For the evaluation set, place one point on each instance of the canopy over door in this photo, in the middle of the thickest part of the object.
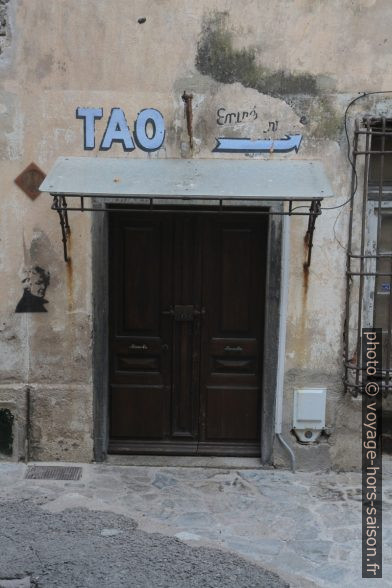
(188, 179)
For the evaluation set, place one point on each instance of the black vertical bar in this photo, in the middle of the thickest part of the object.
(354, 181)
(362, 247)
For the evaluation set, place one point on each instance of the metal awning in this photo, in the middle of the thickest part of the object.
(189, 181)
(188, 178)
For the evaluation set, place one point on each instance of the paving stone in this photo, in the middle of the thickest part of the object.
(346, 534)
(185, 536)
(317, 550)
(194, 519)
(110, 532)
(164, 481)
(307, 532)
(294, 564)
(251, 547)
(333, 574)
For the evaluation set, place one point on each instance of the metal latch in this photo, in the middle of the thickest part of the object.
(184, 312)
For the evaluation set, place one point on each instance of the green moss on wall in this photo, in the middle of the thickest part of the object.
(217, 58)
(326, 122)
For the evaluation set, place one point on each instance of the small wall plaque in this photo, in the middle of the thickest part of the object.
(30, 179)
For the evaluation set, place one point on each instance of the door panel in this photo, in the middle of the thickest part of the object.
(186, 316)
(231, 414)
(138, 411)
(233, 295)
(186, 329)
(140, 340)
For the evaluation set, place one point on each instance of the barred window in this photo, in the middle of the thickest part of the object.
(369, 255)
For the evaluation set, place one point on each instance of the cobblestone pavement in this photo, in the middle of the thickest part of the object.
(306, 527)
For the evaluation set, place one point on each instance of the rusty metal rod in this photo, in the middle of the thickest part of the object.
(372, 133)
(227, 209)
(375, 256)
(369, 152)
(369, 274)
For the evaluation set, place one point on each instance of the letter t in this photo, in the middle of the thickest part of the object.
(89, 115)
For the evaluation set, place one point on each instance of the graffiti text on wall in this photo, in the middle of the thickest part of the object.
(238, 145)
(241, 116)
(148, 132)
(224, 117)
(35, 282)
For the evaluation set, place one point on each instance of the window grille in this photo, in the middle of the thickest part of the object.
(369, 251)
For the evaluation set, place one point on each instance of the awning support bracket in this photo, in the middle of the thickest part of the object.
(314, 212)
(61, 207)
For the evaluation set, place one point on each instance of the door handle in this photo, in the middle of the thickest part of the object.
(135, 347)
(229, 348)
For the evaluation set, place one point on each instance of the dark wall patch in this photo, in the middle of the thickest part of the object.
(4, 24)
(6, 434)
(217, 58)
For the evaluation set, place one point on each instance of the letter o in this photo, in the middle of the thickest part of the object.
(153, 116)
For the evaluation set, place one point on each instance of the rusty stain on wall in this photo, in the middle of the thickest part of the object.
(69, 270)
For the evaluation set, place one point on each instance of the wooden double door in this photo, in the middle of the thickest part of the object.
(186, 332)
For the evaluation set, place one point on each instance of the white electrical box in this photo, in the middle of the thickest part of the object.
(309, 413)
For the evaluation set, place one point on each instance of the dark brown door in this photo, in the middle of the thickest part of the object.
(186, 332)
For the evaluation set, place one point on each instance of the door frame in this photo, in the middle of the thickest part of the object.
(100, 311)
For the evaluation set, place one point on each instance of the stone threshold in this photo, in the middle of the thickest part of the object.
(176, 461)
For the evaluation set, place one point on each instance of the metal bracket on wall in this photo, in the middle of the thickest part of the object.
(314, 211)
(61, 207)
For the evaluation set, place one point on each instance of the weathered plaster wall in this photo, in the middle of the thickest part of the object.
(298, 62)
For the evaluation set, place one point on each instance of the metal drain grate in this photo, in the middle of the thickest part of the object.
(53, 473)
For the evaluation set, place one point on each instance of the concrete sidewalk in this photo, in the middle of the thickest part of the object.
(306, 527)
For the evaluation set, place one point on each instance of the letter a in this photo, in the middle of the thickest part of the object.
(117, 131)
